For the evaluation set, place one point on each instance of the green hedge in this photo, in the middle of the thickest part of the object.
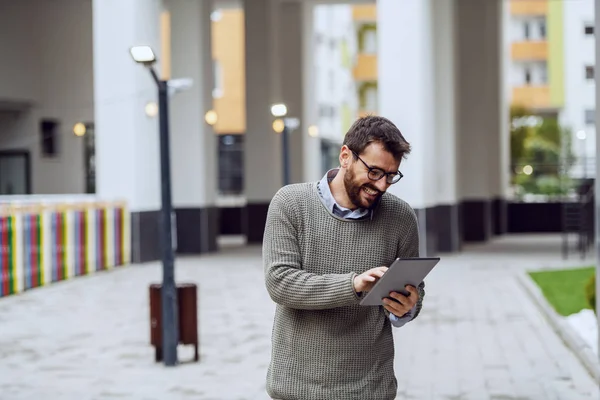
(590, 292)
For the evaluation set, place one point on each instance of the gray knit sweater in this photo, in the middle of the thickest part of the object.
(324, 345)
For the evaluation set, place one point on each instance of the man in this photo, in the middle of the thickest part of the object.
(325, 244)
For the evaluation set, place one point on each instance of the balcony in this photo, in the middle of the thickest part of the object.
(365, 68)
(529, 7)
(530, 50)
(364, 12)
(531, 96)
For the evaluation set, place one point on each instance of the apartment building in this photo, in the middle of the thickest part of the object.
(551, 67)
(365, 67)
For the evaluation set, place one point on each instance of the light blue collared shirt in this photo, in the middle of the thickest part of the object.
(359, 213)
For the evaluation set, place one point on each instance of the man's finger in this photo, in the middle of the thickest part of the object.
(395, 307)
(411, 289)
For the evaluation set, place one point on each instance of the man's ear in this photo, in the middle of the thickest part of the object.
(345, 156)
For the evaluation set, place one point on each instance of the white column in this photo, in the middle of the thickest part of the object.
(597, 182)
(311, 146)
(445, 184)
(127, 152)
(406, 96)
(295, 85)
(262, 147)
(193, 142)
(262, 153)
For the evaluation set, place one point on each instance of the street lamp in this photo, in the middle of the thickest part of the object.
(582, 136)
(170, 335)
(279, 111)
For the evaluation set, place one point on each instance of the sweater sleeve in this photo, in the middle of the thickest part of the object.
(287, 283)
(409, 247)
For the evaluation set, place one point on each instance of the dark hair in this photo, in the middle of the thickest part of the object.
(375, 129)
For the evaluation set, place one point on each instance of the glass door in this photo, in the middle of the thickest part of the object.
(14, 172)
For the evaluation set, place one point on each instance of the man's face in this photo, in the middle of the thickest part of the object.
(362, 191)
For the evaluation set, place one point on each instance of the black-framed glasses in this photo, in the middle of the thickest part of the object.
(376, 174)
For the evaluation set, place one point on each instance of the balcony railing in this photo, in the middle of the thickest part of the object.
(529, 7)
(530, 50)
(366, 67)
(532, 96)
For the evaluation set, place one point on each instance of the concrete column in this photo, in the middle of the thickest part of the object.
(127, 152)
(262, 147)
(276, 71)
(446, 215)
(193, 141)
(479, 42)
(406, 96)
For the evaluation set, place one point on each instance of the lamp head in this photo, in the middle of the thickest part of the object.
(279, 110)
(143, 55)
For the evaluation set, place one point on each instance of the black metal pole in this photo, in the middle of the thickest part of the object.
(170, 323)
(285, 154)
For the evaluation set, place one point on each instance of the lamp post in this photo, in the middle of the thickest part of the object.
(582, 135)
(279, 111)
(170, 335)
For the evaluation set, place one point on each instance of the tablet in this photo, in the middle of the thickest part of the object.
(402, 272)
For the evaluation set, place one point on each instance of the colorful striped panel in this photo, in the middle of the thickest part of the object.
(8, 272)
(32, 243)
(59, 246)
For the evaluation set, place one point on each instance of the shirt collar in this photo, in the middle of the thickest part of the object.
(332, 205)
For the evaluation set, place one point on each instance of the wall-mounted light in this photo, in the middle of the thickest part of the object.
(278, 125)
(313, 131)
(151, 109)
(581, 135)
(79, 129)
(211, 117)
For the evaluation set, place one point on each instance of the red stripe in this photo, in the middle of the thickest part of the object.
(57, 244)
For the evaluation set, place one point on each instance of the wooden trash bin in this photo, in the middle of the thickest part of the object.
(187, 304)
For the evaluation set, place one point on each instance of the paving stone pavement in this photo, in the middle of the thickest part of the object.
(479, 335)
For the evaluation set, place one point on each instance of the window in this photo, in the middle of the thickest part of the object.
(527, 76)
(218, 76)
(588, 29)
(544, 74)
(231, 164)
(542, 27)
(49, 138)
(589, 72)
(590, 117)
(526, 32)
(370, 41)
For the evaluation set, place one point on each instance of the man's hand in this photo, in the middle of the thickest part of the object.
(402, 304)
(365, 281)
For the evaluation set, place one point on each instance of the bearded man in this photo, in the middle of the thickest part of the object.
(326, 243)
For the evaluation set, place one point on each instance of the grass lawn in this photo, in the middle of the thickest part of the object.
(564, 289)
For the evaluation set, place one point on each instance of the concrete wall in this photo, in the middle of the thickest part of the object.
(47, 63)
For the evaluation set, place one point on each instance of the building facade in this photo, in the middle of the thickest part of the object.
(552, 67)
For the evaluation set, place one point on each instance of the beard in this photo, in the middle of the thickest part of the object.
(355, 193)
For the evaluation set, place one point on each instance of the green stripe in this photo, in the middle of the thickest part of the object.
(556, 53)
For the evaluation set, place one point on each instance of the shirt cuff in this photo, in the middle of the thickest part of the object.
(401, 321)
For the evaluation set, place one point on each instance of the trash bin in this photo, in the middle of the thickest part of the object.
(187, 304)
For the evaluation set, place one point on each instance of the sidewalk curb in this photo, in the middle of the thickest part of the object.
(571, 338)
